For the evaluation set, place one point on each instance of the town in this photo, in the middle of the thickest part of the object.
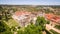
(29, 19)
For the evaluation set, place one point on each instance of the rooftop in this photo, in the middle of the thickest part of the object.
(53, 17)
(18, 13)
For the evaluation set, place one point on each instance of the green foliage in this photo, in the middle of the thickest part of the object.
(48, 22)
(4, 12)
(1, 8)
(35, 28)
(54, 32)
(7, 32)
(47, 32)
(20, 32)
(19, 27)
(48, 11)
(13, 28)
(57, 26)
(3, 26)
(31, 29)
(40, 21)
(58, 13)
(12, 22)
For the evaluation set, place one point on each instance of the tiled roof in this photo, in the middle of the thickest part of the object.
(53, 17)
(18, 13)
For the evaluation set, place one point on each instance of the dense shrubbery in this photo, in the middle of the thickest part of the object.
(4, 29)
(31, 29)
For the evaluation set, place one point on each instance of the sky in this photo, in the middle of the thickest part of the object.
(30, 2)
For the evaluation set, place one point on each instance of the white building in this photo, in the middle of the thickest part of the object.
(22, 17)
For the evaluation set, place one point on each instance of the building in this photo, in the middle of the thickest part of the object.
(23, 17)
(53, 18)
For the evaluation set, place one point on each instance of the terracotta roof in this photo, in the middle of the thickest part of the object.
(17, 13)
(53, 17)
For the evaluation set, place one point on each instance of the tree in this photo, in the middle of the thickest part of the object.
(1, 12)
(3, 27)
(36, 28)
(48, 22)
(31, 29)
(4, 12)
(41, 22)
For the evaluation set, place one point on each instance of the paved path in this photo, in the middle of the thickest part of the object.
(48, 27)
(15, 32)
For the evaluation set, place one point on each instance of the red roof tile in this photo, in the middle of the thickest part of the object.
(52, 17)
(17, 13)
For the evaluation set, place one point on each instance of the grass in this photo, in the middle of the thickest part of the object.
(57, 26)
(7, 32)
(54, 32)
(11, 22)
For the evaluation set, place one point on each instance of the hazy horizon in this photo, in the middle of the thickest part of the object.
(29, 2)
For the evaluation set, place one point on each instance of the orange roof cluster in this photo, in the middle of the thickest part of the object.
(18, 13)
(52, 17)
